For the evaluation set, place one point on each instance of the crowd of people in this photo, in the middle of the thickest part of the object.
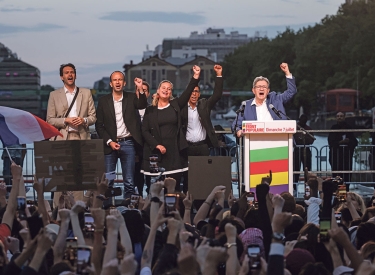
(268, 235)
(331, 232)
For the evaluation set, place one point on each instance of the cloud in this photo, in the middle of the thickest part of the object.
(156, 16)
(14, 9)
(9, 29)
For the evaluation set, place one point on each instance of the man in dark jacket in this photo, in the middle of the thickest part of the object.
(341, 148)
(119, 125)
(196, 121)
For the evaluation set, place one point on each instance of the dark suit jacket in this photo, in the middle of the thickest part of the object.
(204, 108)
(106, 119)
(150, 127)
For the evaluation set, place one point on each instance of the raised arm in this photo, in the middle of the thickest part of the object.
(290, 82)
(97, 249)
(10, 211)
(38, 186)
(206, 206)
(59, 247)
(112, 233)
(126, 242)
(76, 209)
(218, 89)
(184, 98)
(148, 251)
(140, 101)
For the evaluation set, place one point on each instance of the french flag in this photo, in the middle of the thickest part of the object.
(21, 127)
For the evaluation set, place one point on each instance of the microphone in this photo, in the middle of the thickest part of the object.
(277, 112)
(242, 108)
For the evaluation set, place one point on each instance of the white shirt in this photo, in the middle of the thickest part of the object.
(73, 111)
(262, 111)
(195, 131)
(122, 131)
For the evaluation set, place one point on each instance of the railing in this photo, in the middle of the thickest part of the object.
(361, 172)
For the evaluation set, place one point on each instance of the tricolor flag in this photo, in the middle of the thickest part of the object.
(21, 127)
(276, 158)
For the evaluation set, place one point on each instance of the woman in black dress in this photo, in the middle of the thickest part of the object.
(161, 129)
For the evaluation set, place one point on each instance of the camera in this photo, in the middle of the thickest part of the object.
(250, 197)
(253, 251)
(154, 167)
(21, 207)
(170, 204)
(83, 258)
(70, 253)
(134, 201)
(89, 223)
(325, 225)
(341, 193)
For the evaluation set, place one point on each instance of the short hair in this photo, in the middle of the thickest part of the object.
(199, 88)
(62, 66)
(147, 85)
(110, 77)
(260, 78)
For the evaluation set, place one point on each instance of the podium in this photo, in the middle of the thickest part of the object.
(269, 146)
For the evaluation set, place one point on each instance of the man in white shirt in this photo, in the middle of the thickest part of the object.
(258, 108)
(75, 125)
(119, 125)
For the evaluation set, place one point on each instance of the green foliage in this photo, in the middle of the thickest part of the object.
(336, 53)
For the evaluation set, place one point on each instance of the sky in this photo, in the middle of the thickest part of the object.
(99, 37)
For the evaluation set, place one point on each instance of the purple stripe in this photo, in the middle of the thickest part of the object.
(277, 189)
(6, 136)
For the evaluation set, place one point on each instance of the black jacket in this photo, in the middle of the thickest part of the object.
(106, 119)
(204, 108)
(150, 127)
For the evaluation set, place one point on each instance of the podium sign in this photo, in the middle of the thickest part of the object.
(268, 146)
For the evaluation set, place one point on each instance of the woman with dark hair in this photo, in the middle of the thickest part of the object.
(162, 131)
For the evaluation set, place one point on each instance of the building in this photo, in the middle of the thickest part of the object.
(215, 41)
(102, 84)
(352, 1)
(16, 75)
(176, 70)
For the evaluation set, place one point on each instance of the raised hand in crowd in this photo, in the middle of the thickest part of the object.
(128, 265)
(113, 226)
(188, 204)
(76, 209)
(209, 257)
(218, 70)
(170, 184)
(124, 233)
(3, 193)
(232, 264)
(340, 237)
(285, 68)
(278, 204)
(45, 241)
(205, 207)
(231, 199)
(187, 263)
(59, 247)
(196, 71)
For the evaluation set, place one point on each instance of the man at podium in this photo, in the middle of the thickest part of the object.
(265, 106)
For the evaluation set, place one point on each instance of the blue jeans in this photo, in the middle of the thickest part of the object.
(126, 154)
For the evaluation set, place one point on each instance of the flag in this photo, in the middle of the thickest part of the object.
(21, 127)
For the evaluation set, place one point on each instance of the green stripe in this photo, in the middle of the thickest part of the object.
(269, 154)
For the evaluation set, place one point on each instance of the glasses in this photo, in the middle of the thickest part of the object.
(261, 87)
(339, 116)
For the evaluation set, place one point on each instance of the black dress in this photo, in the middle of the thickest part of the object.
(163, 127)
(171, 161)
